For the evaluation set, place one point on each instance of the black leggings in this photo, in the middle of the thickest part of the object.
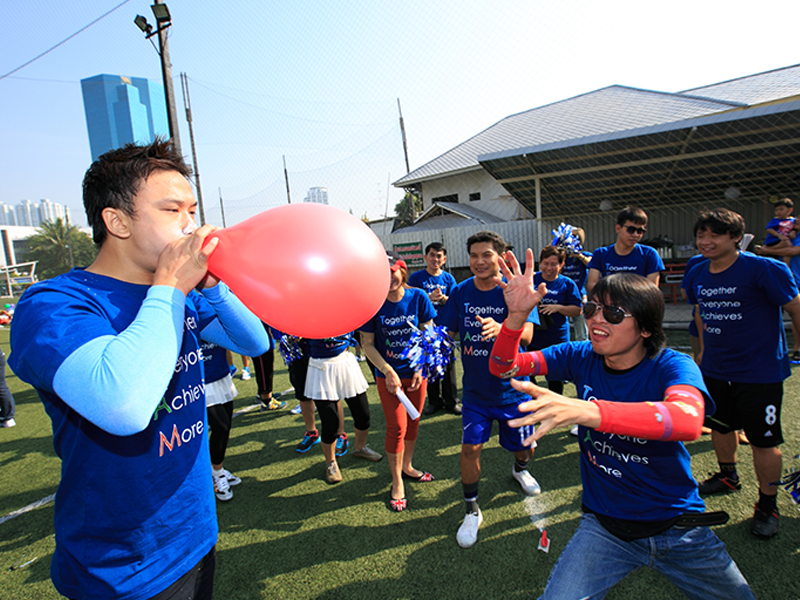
(298, 369)
(264, 367)
(329, 416)
(219, 422)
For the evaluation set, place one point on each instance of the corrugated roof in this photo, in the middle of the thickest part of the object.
(754, 89)
(442, 215)
(754, 151)
(605, 110)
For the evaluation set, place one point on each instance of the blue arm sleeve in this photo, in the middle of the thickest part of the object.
(116, 381)
(235, 327)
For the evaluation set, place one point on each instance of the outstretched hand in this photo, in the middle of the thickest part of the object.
(520, 295)
(550, 410)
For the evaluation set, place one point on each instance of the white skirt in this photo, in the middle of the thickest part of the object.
(220, 391)
(335, 378)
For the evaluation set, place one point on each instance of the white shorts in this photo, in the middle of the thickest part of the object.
(335, 378)
(220, 391)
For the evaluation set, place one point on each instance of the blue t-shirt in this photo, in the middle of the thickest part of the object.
(794, 263)
(465, 303)
(743, 335)
(624, 477)
(427, 282)
(783, 226)
(577, 271)
(215, 362)
(562, 291)
(642, 260)
(694, 260)
(330, 347)
(395, 323)
(120, 531)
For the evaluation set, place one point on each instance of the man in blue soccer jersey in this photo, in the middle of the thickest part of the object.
(438, 284)
(626, 255)
(476, 310)
(744, 359)
(114, 352)
(793, 254)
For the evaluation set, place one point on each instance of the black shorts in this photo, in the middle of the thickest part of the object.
(754, 407)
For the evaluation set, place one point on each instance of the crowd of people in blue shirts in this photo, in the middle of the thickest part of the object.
(128, 357)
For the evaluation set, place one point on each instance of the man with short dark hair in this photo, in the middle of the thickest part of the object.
(114, 351)
(476, 310)
(626, 255)
(639, 402)
(743, 354)
(438, 284)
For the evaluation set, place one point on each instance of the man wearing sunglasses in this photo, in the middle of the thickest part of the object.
(639, 402)
(626, 255)
(744, 358)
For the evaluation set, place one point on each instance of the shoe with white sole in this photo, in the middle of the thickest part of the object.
(468, 532)
(232, 479)
(527, 482)
(222, 488)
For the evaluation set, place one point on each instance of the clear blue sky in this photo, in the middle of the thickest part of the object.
(318, 81)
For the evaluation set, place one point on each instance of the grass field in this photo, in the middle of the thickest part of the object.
(289, 535)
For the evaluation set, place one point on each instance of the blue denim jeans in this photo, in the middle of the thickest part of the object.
(694, 559)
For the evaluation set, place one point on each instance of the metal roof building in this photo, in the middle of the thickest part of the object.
(735, 143)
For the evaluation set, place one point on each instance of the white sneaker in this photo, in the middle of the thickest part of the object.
(527, 481)
(232, 479)
(574, 430)
(222, 488)
(468, 532)
(245, 374)
(8, 423)
(297, 409)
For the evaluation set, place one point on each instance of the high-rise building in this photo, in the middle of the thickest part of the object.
(50, 211)
(27, 214)
(318, 195)
(7, 215)
(121, 110)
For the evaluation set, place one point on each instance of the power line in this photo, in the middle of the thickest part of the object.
(35, 58)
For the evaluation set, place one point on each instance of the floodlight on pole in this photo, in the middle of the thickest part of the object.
(164, 21)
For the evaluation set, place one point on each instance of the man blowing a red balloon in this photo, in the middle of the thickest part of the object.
(114, 352)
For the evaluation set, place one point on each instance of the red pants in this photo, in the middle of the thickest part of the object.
(399, 427)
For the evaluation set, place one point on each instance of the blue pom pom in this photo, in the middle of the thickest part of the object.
(791, 483)
(563, 237)
(289, 347)
(430, 350)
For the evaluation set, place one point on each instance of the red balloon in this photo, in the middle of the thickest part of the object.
(309, 270)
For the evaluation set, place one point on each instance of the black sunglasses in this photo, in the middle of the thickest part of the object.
(640, 230)
(613, 314)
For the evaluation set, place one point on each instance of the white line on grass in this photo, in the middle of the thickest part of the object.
(51, 497)
(28, 508)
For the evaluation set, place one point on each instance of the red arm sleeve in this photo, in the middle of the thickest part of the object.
(505, 361)
(678, 418)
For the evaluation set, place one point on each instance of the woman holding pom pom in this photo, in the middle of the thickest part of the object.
(384, 337)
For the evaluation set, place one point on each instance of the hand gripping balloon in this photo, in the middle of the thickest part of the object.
(309, 270)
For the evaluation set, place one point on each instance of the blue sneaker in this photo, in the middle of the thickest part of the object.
(342, 445)
(309, 439)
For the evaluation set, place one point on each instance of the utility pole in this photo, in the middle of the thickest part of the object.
(286, 175)
(221, 207)
(187, 105)
(403, 132)
(169, 92)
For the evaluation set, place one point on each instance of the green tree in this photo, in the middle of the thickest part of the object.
(50, 245)
(406, 210)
